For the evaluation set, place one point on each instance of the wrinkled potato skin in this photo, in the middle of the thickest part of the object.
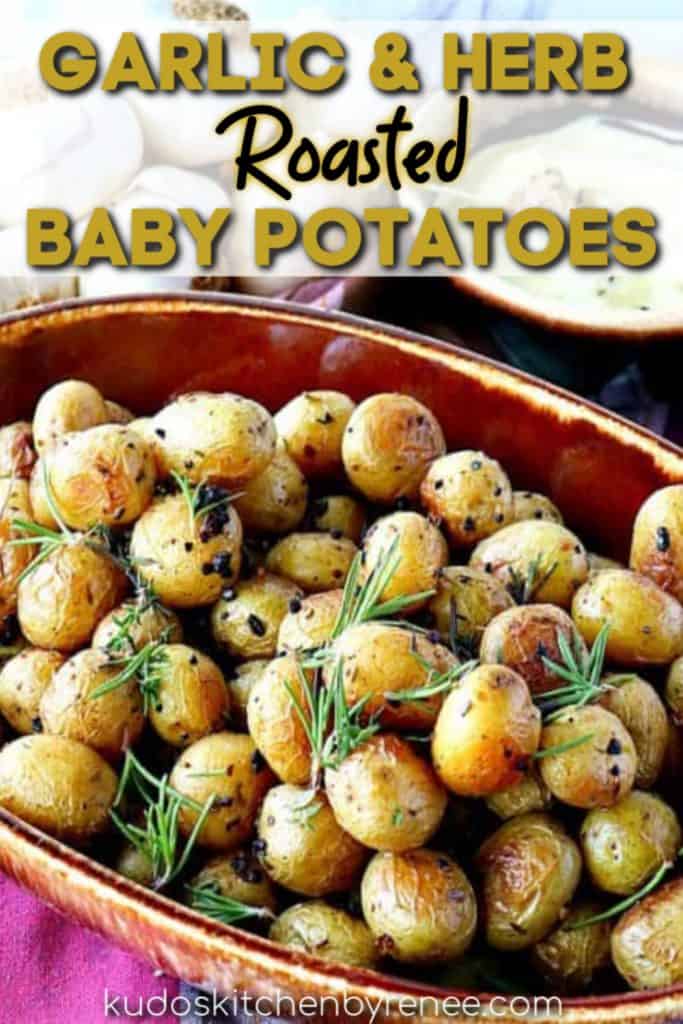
(274, 722)
(193, 699)
(522, 636)
(23, 680)
(328, 932)
(529, 505)
(646, 623)
(62, 601)
(41, 511)
(517, 546)
(423, 553)
(589, 775)
(657, 546)
(639, 707)
(154, 623)
(569, 959)
(66, 408)
(674, 690)
(160, 541)
(339, 513)
(471, 493)
(307, 853)
(312, 624)
(388, 446)
(108, 724)
(58, 785)
(247, 624)
(275, 500)
(118, 413)
(14, 503)
(224, 439)
(625, 844)
(240, 685)
(486, 732)
(530, 870)
(419, 906)
(527, 795)
(312, 426)
(239, 876)
(314, 561)
(476, 599)
(647, 942)
(238, 793)
(17, 454)
(385, 796)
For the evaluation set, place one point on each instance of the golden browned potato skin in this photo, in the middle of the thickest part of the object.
(657, 545)
(530, 870)
(118, 413)
(185, 570)
(596, 773)
(23, 680)
(388, 446)
(314, 561)
(302, 846)
(470, 492)
(563, 565)
(317, 928)
(523, 636)
(310, 622)
(14, 504)
(58, 785)
(486, 732)
(646, 623)
(274, 723)
(647, 942)
(419, 905)
(154, 623)
(65, 408)
(570, 958)
(64, 598)
(625, 844)
(246, 622)
(240, 684)
(225, 439)
(386, 796)
(341, 514)
(192, 699)
(674, 690)
(41, 511)
(529, 794)
(239, 876)
(275, 500)
(471, 598)
(312, 426)
(639, 707)
(529, 505)
(238, 792)
(110, 723)
(422, 549)
(17, 454)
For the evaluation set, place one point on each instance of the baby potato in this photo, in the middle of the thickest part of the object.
(17, 454)
(470, 492)
(225, 439)
(109, 723)
(133, 863)
(238, 790)
(378, 661)
(389, 444)
(23, 680)
(466, 600)
(596, 772)
(530, 870)
(674, 690)
(63, 599)
(192, 699)
(246, 620)
(118, 413)
(104, 475)
(240, 684)
(419, 905)
(528, 505)
(657, 546)
(339, 514)
(14, 504)
(420, 550)
(274, 722)
(569, 958)
(144, 427)
(58, 785)
(486, 732)
(639, 707)
(645, 623)
(309, 623)
(523, 636)
(138, 622)
(40, 507)
(69, 406)
(312, 426)
(186, 563)
(538, 561)
(385, 796)
(314, 561)
(302, 846)
(275, 500)
(624, 845)
(529, 794)
(321, 930)
(598, 563)
(238, 876)
(647, 942)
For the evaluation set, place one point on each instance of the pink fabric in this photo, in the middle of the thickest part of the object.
(53, 972)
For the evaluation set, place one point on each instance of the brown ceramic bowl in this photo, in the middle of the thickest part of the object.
(139, 351)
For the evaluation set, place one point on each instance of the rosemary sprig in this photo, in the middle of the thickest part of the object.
(207, 899)
(623, 905)
(146, 666)
(195, 498)
(562, 748)
(145, 599)
(581, 674)
(461, 645)
(141, 779)
(523, 586)
(437, 682)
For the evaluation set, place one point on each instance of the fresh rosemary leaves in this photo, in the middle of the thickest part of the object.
(208, 900)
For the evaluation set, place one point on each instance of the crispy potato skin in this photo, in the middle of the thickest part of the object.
(67, 407)
(486, 732)
(568, 958)
(58, 785)
(386, 796)
(646, 623)
(312, 426)
(310, 622)
(274, 723)
(23, 680)
(17, 454)
(340, 513)
(470, 492)
(530, 870)
(153, 623)
(240, 684)
(246, 624)
(647, 942)
(422, 550)
(317, 928)
(657, 546)
(529, 505)
(275, 500)
(388, 446)
(14, 503)
(313, 561)
(639, 707)
(469, 599)
(193, 699)
(239, 876)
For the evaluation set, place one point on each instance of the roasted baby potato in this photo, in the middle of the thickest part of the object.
(528, 505)
(314, 561)
(419, 549)
(14, 558)
(67, 407)
(118, 413)
(470, 493)
(137, 622)
(191, 699)
(598, 563)
(240, 684)
(317, 928)
(529, 794)
(466, 600)
(309, 622)
(312, 426)
(17, 454)
(339, 514)
(647, 944)
(275, 500)
(674, 690)
(246, 620)
(41, 511)
(657, 547)
(569, 958)
(238, 876)
(274, 720)
(132, 862)
(639, 707)
(23, 680)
